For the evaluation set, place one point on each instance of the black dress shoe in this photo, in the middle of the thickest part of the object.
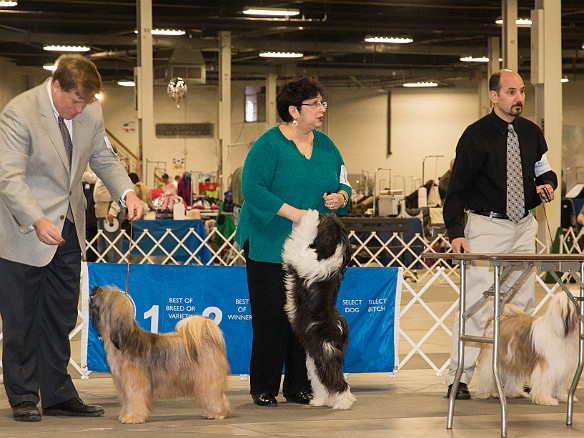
(462, 394)
(303, 398)
(264, 399)
(26, 411)
(74, 408)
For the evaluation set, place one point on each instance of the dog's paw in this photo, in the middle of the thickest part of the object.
(217, 415)
(344, 401)
(317, 401)
(564, 397)
(519, 394)
(485, 395)
(132, 419)
(545, 401)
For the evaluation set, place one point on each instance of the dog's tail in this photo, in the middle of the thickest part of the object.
(198, 333)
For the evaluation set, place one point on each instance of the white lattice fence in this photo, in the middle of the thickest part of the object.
(423, 280)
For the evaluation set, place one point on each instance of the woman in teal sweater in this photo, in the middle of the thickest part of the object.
(290, 168)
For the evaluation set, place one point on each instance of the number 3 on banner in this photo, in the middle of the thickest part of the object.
(154, 313)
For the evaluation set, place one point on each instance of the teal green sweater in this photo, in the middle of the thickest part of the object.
(274, 173)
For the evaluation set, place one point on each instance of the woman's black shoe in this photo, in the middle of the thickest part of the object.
(264, 399)
(303, 398)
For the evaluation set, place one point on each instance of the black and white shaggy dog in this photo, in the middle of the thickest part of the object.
(315, 258)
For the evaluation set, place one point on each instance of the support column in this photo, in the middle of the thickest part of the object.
(224, 169)
(493, 66)
(144, 79)
(271, 112)
(548, 104)
(510, 50)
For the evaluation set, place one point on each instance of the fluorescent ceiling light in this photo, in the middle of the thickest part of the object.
(173, 32)
(281, 55)
(270, 12)
(564, 80)
(51, 66)
(521, 22)
(473, 59)
(57, 48)
(8, 3)
(420, 84)
(126, 83)
(167, 32)
(388, 40)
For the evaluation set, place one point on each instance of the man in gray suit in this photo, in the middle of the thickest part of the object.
(42, 231)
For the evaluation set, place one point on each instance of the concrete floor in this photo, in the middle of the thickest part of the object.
(412, 404)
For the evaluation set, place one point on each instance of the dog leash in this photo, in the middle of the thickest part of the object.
(129, 252)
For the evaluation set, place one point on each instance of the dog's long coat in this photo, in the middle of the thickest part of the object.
(541, 352)
(315, 257)
(190, 362)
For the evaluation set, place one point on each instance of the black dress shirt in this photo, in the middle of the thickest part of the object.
(479, 175)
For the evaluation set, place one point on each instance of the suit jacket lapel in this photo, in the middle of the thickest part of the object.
(50, 124)
(78, 136)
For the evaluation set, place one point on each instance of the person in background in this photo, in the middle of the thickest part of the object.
(88, 181)
(290, 168)
(444, 181)
(499, 197)
(167, 185)
(580, 217)
(109, 217)
(143, 192)
(48, 136)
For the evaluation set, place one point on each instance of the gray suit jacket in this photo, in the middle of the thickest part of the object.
(35, 180)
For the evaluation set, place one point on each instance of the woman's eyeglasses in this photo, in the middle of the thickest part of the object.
(316, 105)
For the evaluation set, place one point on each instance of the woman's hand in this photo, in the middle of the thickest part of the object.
(292, 213)
(334, 201)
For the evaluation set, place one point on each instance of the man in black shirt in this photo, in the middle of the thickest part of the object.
(482, 184)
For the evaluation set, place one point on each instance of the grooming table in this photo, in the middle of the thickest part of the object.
(502, 265)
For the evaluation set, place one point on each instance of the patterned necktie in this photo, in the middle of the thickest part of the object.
(69, 149)
(515, 198)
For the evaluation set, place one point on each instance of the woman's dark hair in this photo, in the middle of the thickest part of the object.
(296, 92)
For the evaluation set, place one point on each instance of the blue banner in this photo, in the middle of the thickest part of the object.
(163, 294)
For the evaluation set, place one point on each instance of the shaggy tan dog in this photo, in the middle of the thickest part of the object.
(190, 362)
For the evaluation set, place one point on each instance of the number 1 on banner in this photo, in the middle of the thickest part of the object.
(153, 312)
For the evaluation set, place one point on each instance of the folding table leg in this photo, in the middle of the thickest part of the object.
(580, 350)
(496, 322)
(461, 332)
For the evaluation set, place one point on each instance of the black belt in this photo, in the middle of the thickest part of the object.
(494, 214)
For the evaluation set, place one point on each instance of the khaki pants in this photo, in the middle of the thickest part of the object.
(490, 235)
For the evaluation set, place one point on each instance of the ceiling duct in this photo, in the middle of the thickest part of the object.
(185, 63)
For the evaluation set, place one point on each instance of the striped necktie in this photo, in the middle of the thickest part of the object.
(69, 150)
